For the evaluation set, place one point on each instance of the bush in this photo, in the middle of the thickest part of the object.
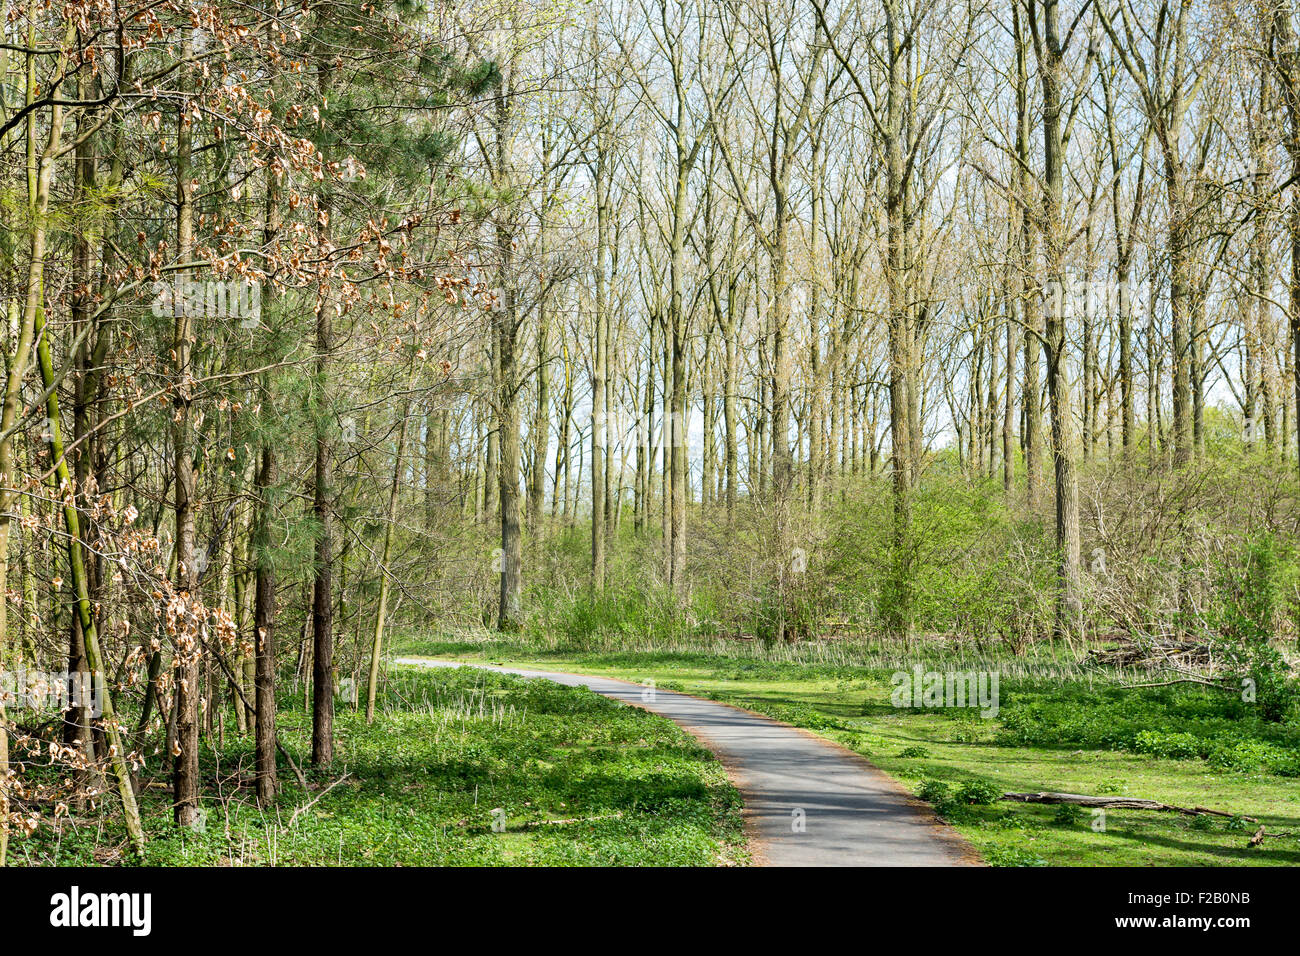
(974, 566)
(997, 856)
(1174, 745)
(935, 793)
(1247, 613)
(1244, 756)
(979, 792)
(1285, 765)
(1067, 814)
(1177, 723)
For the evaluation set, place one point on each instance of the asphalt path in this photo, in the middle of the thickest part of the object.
(808, 801)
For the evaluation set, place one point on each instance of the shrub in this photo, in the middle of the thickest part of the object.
(1067, 814)
(979, 792)
(1285, 765)
(1243, 756)
(1175, 745)
(998, 856)
(1246, 614)
(935, 793)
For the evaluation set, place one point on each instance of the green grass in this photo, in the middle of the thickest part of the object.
(1060, 728)
(419, 787)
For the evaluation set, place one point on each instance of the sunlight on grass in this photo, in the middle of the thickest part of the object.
(1061, 727)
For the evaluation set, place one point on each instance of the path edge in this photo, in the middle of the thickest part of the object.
(963, 851)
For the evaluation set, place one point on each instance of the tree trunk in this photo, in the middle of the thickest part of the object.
(900, 605)
(322, 615)
(1028, 264)
(187, 651)
(381, 612)
(1069, 608)
(599, 430)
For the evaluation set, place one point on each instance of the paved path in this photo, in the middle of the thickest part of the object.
(851, 813)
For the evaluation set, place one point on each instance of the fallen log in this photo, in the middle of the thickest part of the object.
(1119, 803)
(1258, 838)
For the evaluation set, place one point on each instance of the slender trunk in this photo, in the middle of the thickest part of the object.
(541, 426)
(507, 332)
(1069, 608)
(1028, 289)
(1009, 407)
(322, 616)
(675, 376)
(188, 652)
(731, 384)
(96, 669)
(386, 555)
(40, 173)
(264, 612)
(900, 616)
(261, 543)
(1288, 64)
(492, 464)
(599, 431)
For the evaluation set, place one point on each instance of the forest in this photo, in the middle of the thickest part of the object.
(756, 349)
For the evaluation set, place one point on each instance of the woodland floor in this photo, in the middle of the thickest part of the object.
(1072, 732)
(807, 801)
(582, 781)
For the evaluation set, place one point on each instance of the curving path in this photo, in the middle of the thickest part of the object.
(850, 813)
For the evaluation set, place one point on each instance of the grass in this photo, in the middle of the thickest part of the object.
(1060, 727)
(421, 784)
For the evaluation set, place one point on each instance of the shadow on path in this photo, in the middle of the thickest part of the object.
(808, 801)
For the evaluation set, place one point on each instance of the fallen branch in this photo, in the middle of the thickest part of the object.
(234, 683)
(311, 803)
(559, 823)
(1258, 838)
(1119, 803)
(1154, 652)
(1188, 680)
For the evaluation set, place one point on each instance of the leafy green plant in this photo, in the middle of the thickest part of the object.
(1243, 756)
(999, 856)
(979, 792)
(1172, 744)
(1285, 765)
(446, 749)
(936, 793)
(1067, 814)
(1244, 618)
